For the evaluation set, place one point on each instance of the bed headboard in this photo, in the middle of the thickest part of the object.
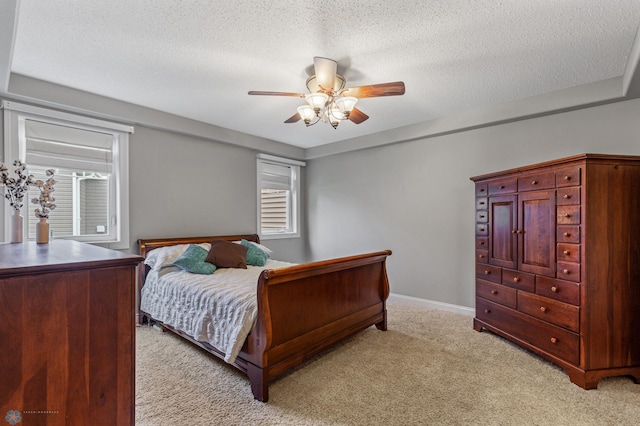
(146, 245)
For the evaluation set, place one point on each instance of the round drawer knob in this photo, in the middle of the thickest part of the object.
(481, 256)
(567, 196)
(481, 189)
(481, 216)
(501, 187)
(487, 272)
(567, 215)
(566, 271)
(554, 340)
(567, 178)
(482, 203)
(567, 252)
(481, 243)
(494, 291)
(487, 311)
(543, 309)
(566, 234)
(516, 279)
(534, 182)
(554, 289)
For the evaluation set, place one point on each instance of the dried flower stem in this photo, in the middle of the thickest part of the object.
(15, 188)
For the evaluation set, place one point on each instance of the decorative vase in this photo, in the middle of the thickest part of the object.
(42, 231)
(17, 222)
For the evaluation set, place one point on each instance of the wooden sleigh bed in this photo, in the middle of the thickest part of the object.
(301, 310)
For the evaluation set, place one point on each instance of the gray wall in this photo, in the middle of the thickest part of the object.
(416, 198)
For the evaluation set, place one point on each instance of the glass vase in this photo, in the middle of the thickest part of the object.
(17, 222)
(42, 231)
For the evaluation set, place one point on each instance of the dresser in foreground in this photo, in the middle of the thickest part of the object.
(67, 331)
(558, 262)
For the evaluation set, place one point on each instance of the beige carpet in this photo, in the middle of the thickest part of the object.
(429, 368)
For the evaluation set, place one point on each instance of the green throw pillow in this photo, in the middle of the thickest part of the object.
(255, 256)
(192, 260)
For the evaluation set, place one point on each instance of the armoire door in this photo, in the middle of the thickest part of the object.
(537, 232)
(502, 230)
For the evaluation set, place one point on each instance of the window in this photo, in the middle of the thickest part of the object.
(90, 159)
(278, 197)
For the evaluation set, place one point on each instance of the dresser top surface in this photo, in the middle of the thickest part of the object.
(19, 258)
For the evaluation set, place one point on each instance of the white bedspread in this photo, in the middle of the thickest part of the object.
(219, 309)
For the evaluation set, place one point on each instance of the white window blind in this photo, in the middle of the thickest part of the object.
(65, 147)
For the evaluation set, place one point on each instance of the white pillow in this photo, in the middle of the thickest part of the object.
(265, 249)
(165, 256)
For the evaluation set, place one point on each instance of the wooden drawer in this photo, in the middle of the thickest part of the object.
(482, 256)
(558, 313)
(564, 291)
(568, 234)
(496, 293)
(547, 337)
(482, 216)
(482, 243)
(482, 203)
(539, 181)
(505, 186)
(489, 273)
(568, 215)
(568, 253)
(568, 177)
(518, 280)
(568, 196)
(481, 189)
(482, 229)
(569, 271)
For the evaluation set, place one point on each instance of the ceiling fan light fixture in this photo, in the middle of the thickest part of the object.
(328, 100)
(346, 104)
(306, 113)
(335, 116)
(317, 101)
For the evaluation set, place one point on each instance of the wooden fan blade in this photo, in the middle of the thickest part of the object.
(357, 116)
(326, 70)
(293, 119)
(375, 90)
(258, 92)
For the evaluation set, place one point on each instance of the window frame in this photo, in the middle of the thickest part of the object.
(15, 115)
(294, 206)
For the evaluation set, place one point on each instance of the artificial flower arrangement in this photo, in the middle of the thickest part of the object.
(15, 188)
(46, 201)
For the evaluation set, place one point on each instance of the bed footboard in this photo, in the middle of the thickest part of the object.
(305, 309)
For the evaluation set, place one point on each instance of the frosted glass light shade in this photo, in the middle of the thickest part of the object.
(346, 104)
(306, 113)
(317, 101)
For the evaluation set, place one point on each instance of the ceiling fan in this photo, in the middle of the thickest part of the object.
(329, 101)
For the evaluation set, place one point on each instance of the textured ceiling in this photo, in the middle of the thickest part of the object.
(199, 58)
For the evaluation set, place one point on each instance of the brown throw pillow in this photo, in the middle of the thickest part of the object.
(225, 254)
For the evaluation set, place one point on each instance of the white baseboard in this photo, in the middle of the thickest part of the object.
(464, 310)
